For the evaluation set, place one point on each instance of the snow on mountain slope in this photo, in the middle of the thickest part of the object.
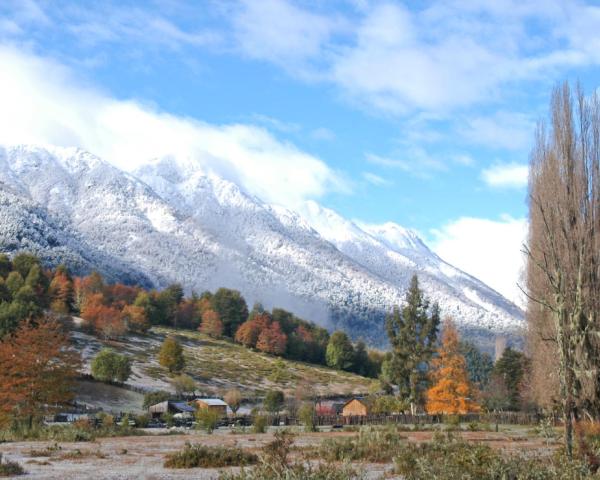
(395, 254)
(171, 221)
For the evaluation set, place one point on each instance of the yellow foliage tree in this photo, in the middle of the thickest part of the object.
(452, 392)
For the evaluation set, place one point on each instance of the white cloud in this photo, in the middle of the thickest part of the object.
(280, 32)
(436, 56)
(375, 179)
(414, 160)
(510, 175)
(43, 103)
(490, 250)
(323, 133)
(506, 130)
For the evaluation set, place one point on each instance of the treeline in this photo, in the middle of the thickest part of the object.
(113, 310)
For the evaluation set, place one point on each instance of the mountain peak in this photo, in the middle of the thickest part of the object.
(171, 221)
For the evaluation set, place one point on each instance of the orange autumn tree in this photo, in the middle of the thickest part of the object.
(37, 371)
(451, 392)
(211, 323)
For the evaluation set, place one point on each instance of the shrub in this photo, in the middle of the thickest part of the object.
(9, 468)
(275, 465)
(259, 424)
(207, 419)
(194, 456)
(142, 421)
(306, 414)
(371, 444)
(274, 400)
(110, 366)
(168, 418)
(447, 458)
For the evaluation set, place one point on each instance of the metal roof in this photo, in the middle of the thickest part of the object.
(213, 402)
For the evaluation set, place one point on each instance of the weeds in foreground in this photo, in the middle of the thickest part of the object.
(81, 431)
(276, 465)
(196, 455)
(449, 458)
(371, 445)
(9, 468)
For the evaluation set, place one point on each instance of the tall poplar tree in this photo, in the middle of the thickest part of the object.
(413, 333)
(563, 280)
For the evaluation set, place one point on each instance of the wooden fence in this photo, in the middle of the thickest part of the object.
(500, 418)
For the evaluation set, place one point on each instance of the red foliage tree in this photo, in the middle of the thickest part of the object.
(101, 318)
(187, 315)
(304, 334)
(119, 295)
(37, 371)
(211, 324)
(248, 332)
(272, 340)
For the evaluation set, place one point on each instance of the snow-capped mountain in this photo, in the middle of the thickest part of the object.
(171, 221)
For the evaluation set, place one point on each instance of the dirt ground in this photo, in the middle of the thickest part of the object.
(142, 457)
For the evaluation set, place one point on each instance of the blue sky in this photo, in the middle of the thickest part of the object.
(421, 113)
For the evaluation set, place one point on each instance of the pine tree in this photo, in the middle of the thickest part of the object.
(412, 333)
(452, 392)
(510, 368)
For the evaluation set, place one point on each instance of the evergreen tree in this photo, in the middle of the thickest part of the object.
(171, 355)
(14, 282)
(362, 362)
(412, 333)
(340, 352)
(232, 309)
(23, 262)
(510, 368)
(39, 283)
(5, 265)
(479, 364)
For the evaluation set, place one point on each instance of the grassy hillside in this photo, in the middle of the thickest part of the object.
(218, 365)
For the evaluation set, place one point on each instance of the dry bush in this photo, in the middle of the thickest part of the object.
(9, 468)
(196, 455)
(371, 445)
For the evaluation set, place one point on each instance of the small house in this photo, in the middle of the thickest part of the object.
(357, 407)
(213, 404)
(328, 408)
(169, 406)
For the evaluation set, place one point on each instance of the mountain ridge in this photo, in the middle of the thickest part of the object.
(172, 221)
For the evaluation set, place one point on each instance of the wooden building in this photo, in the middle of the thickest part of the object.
(214, 404)
(169, 406)
(357, 407)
